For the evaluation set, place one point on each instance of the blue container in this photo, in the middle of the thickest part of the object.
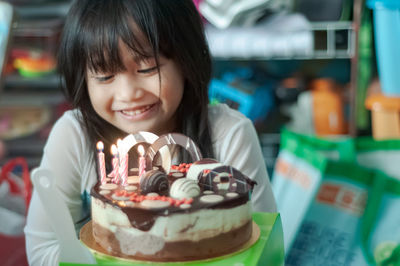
(387, 42)
(243, 92)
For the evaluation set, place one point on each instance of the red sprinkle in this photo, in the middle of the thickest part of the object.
(132, 198)
(188, 201)
(119, 193)
(182, 201)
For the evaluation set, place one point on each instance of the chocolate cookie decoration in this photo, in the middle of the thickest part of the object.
(154, 181)
(226, 178)
(176, 139)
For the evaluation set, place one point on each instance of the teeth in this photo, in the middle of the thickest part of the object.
(136, 112)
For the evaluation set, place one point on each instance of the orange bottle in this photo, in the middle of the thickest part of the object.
(385, 114)
(328, 114)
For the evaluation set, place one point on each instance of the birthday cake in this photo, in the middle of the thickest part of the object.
(177, 212)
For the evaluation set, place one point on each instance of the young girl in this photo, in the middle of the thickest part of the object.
(129, 66)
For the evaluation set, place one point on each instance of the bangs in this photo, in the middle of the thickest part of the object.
(104, 32)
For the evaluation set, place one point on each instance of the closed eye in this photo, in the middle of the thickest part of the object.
(105, 78)
(148, 70)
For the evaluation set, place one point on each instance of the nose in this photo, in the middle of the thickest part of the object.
(129, 89)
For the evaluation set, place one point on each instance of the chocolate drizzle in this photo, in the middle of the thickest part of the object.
(140, 218)
(144, 218)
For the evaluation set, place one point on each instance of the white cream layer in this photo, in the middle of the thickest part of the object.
(195, 226)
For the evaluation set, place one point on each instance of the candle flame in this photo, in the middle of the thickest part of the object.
(100, 145)
(119, 142)
(120, 145)
(114, 149)
(141, 150)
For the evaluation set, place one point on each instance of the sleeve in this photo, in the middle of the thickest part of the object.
(240, 148)
(62, 157)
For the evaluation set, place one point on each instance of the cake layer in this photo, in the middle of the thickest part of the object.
(136, 247)
(193, 226)
(143, 217)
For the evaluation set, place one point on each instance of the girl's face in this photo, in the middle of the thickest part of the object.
(134, 100)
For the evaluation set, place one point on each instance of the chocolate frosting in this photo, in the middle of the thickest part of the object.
(143, 218)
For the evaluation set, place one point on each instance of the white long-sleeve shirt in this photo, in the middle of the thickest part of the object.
(67, 156)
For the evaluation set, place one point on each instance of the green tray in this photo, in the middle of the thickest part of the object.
(268, 250)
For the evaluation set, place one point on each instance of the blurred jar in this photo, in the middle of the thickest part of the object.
(328, 108)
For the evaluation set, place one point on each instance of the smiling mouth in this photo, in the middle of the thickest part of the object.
(139, 111)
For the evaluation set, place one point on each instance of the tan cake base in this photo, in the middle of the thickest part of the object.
(86, 236)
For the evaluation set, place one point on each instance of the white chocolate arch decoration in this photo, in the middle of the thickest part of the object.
(175, 139)
(142, 136)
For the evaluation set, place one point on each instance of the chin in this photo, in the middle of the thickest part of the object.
(158, 130)
(135, 130)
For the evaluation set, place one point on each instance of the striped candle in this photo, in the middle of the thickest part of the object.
(124, 167)
(115, 163)
(120, 153)
(142, 161)
(123, 162)
(102, 164)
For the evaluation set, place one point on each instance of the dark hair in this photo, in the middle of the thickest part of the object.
(172, 28)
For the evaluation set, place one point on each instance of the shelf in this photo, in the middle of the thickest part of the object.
(333, 40)
(31, 148)
(324, 40)
(32, 97)
(17, 82)
(43, 9)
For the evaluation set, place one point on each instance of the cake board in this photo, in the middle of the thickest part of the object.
(266, 249)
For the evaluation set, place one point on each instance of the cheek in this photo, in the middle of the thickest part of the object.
(173, 94)
(100, 101)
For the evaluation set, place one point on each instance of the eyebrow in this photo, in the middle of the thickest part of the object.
(142, 55)
(140, 58)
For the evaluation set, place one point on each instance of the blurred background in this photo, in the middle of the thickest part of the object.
(304, 71)
(276, 53)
